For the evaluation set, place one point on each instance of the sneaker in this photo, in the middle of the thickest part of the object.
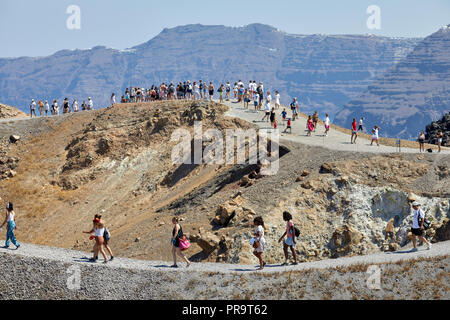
(414, 250)
(111, 259)
(284, 264)
(174, 266)
(93, 260)
(429, 246)
(5, 247)
(294, 263)
(17, 247)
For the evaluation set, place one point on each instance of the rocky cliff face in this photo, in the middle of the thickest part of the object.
(411, 95)
(323, 71)
(442, 125)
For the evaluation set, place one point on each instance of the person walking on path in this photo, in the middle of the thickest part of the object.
(211, 91)
(288, 126)
(113, 99)
(40, 108)
(91, 104)
(33, 108)
(66, 107)
(10, 220)
(421, 140)
(354, 131)
(294, 109)
(177, 234)
(440, 135)
(272, 118)
(220, 90)
(375, 132)
(106, 237)
(417, 226)
(361, 125)
(98, 231)
(309, 126)
(315, 119)
(327, 125)
(259, 241)
(290, 238)
(277, 100)
(267, 110)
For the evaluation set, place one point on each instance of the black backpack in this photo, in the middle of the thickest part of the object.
(297, 232)
(426, 222)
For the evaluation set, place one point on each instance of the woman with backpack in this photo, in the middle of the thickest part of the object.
(106, 237)
(290, 238)
(177, 235)
(10, 219)
(98, 231)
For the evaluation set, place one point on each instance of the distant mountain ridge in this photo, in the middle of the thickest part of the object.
(323, 71)
(414, 93)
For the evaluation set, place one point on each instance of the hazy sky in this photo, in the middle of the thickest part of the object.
(38, 28)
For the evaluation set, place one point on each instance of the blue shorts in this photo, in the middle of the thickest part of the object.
(289, 242)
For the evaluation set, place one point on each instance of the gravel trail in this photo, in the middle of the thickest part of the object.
(77, 257)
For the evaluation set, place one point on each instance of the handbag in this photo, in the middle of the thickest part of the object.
(184, 243)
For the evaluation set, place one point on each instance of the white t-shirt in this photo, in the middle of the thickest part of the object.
(255, 96)
(416, 214)
(375, 135)
(261, 239)
(277, 99)
(91, 104)
(327, 121)
(33, 105)
(360, 122)
(268, 101)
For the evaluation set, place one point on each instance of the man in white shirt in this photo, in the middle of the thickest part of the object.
(267, 107)
(417, 226)
(33, 108)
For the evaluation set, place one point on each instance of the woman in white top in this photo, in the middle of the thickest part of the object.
(277, 100)
(259, 242)
(98, 230)
(113, 99)
(75, 106)
(327, 125)
(375, 135)
(196, 91)
(46, 107)
(10, 219)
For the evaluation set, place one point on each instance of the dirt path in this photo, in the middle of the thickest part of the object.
(77, 257)
(336, 139)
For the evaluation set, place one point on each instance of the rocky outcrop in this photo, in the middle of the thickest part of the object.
(10, 112)
(442, 125)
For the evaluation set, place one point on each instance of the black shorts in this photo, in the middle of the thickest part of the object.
(417, 232)
(211, 93)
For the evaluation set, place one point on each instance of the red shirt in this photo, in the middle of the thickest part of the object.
(354, 124)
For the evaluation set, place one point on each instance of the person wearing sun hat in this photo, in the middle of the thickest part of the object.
(417, 226)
